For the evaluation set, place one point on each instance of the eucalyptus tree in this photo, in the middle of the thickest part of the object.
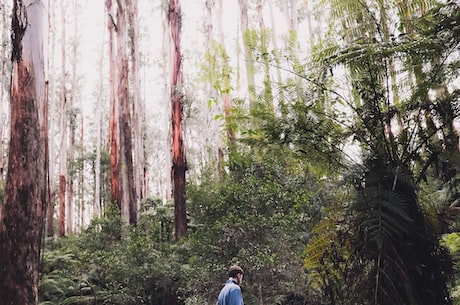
(63, 131)
(179, 165)
(5, 66)
(226, 76)
(138, 106)
(113, 122)
(50, 229)
(125, 167)
(121, 142)
(22, 215)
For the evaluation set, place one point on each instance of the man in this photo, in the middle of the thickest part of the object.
(230, 294)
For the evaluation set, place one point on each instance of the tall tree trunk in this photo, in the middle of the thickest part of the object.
(81, 181)
(113, 121)
(125, 165)
(179, 166)
(22, 216)
(51, 105)
(4, 79)
(226, 86)
(98, 119)
(138, 107)
(63, 130)
(248, 45)
(71, 219)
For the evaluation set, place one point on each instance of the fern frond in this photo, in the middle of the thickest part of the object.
(383, 215)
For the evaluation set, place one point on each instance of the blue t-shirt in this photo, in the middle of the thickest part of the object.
(230, 294)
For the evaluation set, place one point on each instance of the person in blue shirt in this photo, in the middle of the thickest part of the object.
(231, 294)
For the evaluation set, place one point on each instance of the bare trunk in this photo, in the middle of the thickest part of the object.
(113, 124)
(51, 100)
(138, 107)
(72, 220)
(22, 216)
(63, 130)
(81, 181)
(97, 167)
(4, 79)
(125, 165)
(70, 217)
(179, 166)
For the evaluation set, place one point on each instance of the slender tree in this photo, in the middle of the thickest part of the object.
(22, 216)
(98, 208)
(249, 40)
(179, 165)
(63, 128)
(50, 230)
(226, 84)
(138, 106)
(125, 170)
(4, 80)
(113, 120)
(212, 81)
(72, 126)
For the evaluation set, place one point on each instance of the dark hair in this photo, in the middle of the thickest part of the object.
(234, 270)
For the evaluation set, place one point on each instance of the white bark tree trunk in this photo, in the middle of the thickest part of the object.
(138, 106)
(63, 130)
(125, 170)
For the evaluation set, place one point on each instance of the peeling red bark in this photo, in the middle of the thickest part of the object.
(179, 166)
(22, 215)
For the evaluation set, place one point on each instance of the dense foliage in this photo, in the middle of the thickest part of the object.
(259, 216)
(308, 224)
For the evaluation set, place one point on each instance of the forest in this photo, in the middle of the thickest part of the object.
(146, 146)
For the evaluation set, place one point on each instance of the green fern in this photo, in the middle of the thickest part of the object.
(382, 215)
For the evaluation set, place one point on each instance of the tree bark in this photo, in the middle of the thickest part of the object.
(63, 131)
(98, 208)
(113, 121)
(4, 79)
(50, 98)
(71, 218)
(138, 107)
(179, 166)
(22, 216)
(125, 165)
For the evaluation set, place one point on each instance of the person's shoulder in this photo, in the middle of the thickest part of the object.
(234, 286)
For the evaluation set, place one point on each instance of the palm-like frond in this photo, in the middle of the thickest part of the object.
(382, 215)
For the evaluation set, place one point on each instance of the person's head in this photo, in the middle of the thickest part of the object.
(236, 273)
